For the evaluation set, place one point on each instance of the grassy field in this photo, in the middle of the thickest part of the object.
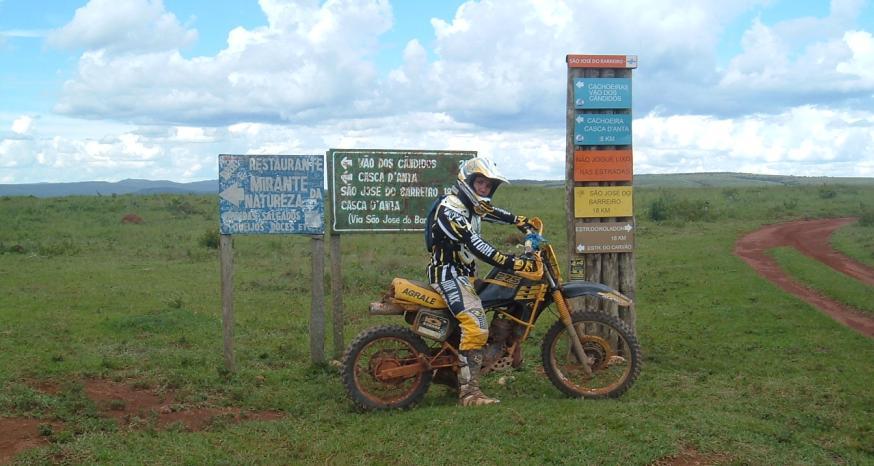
(826, 281)
(734, 368)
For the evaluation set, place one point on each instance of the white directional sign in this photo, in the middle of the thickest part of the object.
(261, 194)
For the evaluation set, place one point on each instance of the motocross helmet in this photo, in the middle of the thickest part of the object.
(468, 170)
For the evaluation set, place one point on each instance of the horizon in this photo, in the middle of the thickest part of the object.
(113, 89)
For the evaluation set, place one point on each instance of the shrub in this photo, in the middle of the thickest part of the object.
(181, 208)
(827, 192)
(866, 219)
(668, 207)
(209, 238)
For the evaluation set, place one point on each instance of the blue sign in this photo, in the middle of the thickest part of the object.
(278, 194)
(591, 129)
(602, 93)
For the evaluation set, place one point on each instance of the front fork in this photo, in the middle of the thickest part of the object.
(564, 314)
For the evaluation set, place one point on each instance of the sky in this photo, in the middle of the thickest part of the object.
(114, 89)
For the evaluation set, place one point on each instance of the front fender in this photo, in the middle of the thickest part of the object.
(576, 288)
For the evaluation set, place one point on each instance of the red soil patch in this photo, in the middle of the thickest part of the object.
(129, 407)
(810, 237)
(17, 435)
(691, 457)
(132, 218)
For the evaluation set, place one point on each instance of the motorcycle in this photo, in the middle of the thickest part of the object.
(585, 354)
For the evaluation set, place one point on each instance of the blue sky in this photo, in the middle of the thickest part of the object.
(114, 89)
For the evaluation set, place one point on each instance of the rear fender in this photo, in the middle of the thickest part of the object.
(577, 288)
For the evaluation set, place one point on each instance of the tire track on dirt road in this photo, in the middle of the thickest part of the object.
(810, 237)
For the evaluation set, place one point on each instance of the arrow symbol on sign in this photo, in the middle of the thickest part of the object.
(233, 194)
(580, 248)
(346, 178)
(581, 84)
(627, 227)
(345, 163)
(580, 119)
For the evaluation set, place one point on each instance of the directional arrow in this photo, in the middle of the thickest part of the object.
(345, 163)
(581, 84)
(580, 248)
(346, 178)
(580, 119)
(233, 194)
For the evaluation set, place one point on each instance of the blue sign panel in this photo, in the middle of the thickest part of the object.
(263, 194)
(592, 129)
(602, 93)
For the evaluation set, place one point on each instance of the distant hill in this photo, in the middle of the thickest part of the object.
(674, 180)
(96, 188)
(717, 180)
(727, 179)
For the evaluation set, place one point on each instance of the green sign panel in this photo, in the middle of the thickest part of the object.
(389, 190)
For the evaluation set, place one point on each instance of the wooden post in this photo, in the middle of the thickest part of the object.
(612, 269)
(337, 296)
(336, 264)
(227, 267)
(317, 308)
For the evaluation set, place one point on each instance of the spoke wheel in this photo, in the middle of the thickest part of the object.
(374, 352)
(611, 349)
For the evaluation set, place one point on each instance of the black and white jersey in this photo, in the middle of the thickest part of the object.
(457, 240)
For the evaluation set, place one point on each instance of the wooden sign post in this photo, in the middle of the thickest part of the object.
(599, 175)
(272, 194)
(381, 191)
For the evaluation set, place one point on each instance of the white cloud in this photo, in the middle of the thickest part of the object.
(122, 26)
(803, 60)
(22, 125)
(312, 61)
(806, 140)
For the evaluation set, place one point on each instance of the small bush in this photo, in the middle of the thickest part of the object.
(668, 207)
(827, 192)
(182, 208)
(209, 238)
(866, 219)
(731, 194)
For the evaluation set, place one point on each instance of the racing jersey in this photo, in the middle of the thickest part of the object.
(457, 241)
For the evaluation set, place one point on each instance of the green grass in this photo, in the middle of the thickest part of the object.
(732, 365)
(855, 241)
(827, 281)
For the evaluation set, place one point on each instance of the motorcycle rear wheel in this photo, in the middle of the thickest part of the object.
(380, 348)
(612, 350)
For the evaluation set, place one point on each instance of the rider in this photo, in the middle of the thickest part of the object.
(454, 240)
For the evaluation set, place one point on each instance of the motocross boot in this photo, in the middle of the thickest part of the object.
(469, 393)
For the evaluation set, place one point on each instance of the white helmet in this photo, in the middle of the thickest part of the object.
(468, 170)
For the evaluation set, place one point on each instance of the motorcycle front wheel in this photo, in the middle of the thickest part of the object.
(612, 351)
(376, 350)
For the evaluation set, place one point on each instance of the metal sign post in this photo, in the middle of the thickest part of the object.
(272, 194)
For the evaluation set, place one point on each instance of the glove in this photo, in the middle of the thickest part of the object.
(524, 265)
(522, 224)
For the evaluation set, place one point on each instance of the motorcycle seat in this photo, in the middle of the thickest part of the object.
(416, 292)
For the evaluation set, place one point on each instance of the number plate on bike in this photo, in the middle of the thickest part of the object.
(435, 324)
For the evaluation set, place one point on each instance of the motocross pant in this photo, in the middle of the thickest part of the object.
(466, 306)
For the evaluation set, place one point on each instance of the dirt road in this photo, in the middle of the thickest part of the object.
(810, 237)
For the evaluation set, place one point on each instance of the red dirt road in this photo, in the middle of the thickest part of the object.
(810, 237)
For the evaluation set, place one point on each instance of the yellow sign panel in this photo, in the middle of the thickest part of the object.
(602, 201)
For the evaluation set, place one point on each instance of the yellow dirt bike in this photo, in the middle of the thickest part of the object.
(585, 354)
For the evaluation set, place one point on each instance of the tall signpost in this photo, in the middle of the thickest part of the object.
(382, 191)
(599, 174)
(272, 194)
